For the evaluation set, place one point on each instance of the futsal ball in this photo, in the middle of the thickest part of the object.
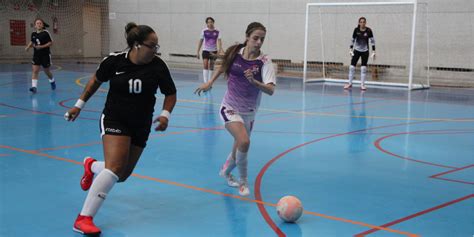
(289, 208)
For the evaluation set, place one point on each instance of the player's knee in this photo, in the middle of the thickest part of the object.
(244, 144)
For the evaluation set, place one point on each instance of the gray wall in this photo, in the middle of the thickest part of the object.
(179, 22)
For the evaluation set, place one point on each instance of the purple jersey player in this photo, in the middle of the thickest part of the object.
(248, 72)
(211, 38)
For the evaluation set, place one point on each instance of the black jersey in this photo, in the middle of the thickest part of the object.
(133, 87)
(360, 39)
(41, 38)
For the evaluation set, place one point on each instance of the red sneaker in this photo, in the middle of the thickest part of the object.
(85, 226)
(86, 180)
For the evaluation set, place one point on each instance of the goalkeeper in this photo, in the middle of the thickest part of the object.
(359, 48)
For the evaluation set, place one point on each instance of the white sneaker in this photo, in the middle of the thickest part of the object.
(231, 181)
(244, 188)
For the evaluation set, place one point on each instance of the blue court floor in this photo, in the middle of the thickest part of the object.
(381, 163)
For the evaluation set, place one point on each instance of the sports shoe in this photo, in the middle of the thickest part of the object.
(53, 85)
(231, 181)
(347, 86)
(86, 226)
(362, 87)
(86, 180)
(244, 188)
(33, 89)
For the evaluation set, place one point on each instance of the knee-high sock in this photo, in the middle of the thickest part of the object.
(210, 75)
(363, 74)
(98, 192)
(351, 73)
(97, 167)
(241, 161)
(205, 75)
(229, 164)
(34, 82)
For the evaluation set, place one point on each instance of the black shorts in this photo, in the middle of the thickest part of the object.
(42, 59)
(137, 131)
(357, 55)
(207, 54)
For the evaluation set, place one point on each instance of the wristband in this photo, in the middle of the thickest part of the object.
(80, 104)
(165, 113)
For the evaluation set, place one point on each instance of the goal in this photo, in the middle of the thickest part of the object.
(401, 37)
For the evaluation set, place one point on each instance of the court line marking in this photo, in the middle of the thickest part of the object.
(416, 214)
(145, 177)
(304, 113)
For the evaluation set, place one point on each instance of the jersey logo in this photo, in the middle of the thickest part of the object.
(118, 73)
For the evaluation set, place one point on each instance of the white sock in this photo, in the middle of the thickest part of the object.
(51, 80)
(97, 167)
(351, 73)
(363, 74)
(230, 163)
(210, 75)
(241, 161)
(205, 75)
(98, 192)
(34, 82)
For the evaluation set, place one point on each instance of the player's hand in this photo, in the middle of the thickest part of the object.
(162, 123)
(373, 56)
(27, 48)
(249, 75)
(203, 88)
(72, 114)
(197, 56)
(351, 52)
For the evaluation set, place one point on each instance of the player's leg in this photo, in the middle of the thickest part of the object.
(241, 137)
(116, 152)
(205, 64)
(46, 63)
(363, 70)
(354, 60)
(34, 75)
(212, 60)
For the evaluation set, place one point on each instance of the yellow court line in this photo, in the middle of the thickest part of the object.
(215, 192)
(304, 113)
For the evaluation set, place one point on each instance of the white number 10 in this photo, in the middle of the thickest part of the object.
(135, 86)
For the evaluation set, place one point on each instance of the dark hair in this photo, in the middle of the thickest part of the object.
(230, 53)
(136, 33)
(361, 18)
(45, 25)
(210, 18)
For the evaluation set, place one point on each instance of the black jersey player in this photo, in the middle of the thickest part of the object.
(41, 41)
(359, 48)
(134, 77)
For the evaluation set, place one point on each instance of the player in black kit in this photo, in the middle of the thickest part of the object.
(41, 42)
(359, 48)
(134, 77)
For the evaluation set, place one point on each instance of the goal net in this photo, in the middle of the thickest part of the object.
(401, 40)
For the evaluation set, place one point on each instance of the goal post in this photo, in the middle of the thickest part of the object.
(401, 38)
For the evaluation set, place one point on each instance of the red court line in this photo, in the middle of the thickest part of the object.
(378, 141)
(416, 214)
(436, 176)
(258, 180)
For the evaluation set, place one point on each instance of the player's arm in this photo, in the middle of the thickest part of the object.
(92, 86)
(208, 85)
(199, 48)
(351, 46)
(372, 42)
(219, 46)
(44, 45)
(30, 45)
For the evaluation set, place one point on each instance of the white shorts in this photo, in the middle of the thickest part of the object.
(229, 115)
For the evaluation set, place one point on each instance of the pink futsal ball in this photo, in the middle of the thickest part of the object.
(289, 208)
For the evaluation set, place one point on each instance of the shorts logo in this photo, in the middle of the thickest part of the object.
(113, 130)
(230, 112)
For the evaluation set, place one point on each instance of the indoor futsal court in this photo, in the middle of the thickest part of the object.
(381, 147)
